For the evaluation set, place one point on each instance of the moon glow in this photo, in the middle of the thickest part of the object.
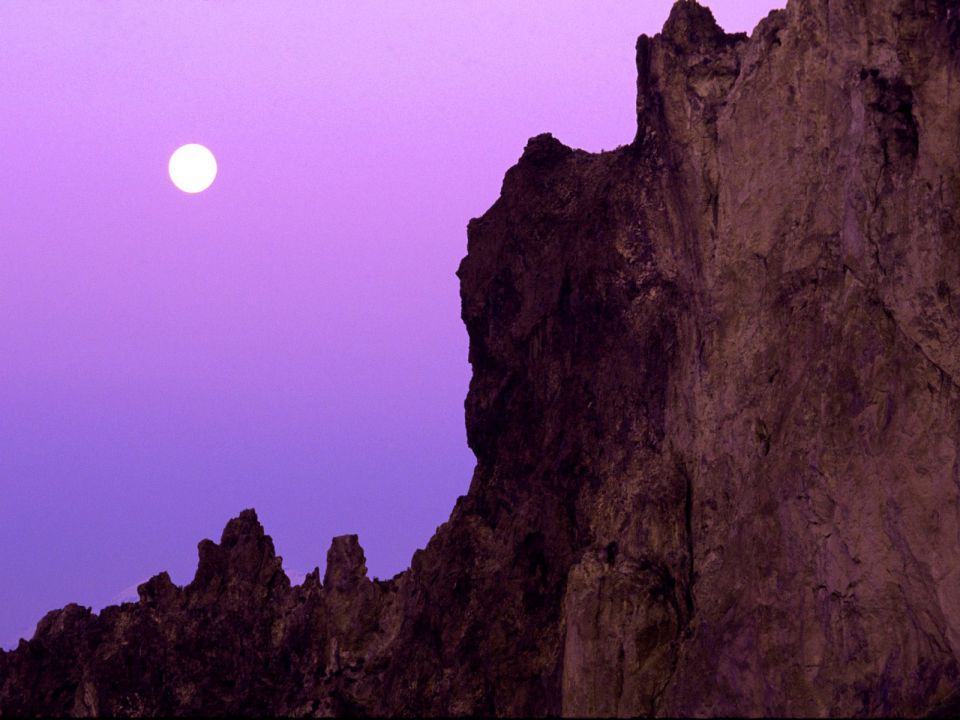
(192, 168)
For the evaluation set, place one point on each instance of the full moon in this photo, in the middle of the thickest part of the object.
(192, 168)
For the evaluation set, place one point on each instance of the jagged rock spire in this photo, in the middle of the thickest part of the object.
(244, 559)
(346, 564)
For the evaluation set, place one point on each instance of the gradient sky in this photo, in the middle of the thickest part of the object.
(290, 339)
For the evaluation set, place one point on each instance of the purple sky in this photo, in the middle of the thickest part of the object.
(289, 339)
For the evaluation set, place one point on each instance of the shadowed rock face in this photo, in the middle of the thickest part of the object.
(716, 414)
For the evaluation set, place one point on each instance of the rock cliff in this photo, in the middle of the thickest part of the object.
(716, 412)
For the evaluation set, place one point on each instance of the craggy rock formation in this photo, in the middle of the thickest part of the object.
(716, 414)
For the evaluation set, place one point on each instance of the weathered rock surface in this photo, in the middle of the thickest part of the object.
(716, 414)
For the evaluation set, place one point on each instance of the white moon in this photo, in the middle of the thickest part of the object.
(192, 168)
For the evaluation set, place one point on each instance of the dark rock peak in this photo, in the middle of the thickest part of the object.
(691, 28)
(245, 555)
(544, 149)
(158, 590)
(346, 564)
(63, 621)
(312, 579)
(246, 526)
(689, 67)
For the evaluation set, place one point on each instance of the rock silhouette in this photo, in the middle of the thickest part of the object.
(716, 414)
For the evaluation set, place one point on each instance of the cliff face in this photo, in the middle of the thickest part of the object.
(716, 414)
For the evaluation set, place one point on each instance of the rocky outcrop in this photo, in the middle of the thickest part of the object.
(238, 639)
(716, 414)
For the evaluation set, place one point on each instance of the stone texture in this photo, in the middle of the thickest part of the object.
(716, 414)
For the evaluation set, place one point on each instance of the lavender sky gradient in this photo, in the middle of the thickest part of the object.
(291, 338)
